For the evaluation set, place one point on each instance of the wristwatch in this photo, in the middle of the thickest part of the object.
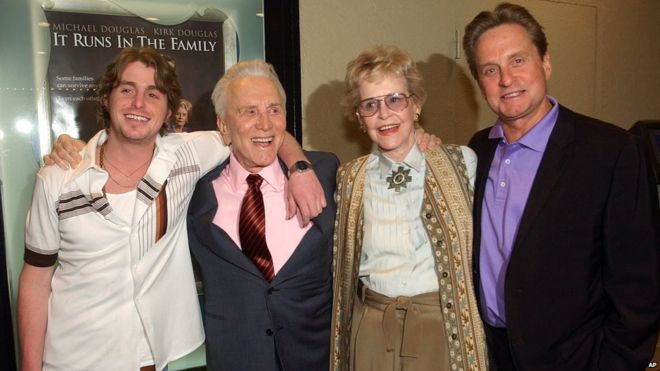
(299, 167)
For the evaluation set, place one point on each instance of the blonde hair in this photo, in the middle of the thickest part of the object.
(186, 104)
(376, 63)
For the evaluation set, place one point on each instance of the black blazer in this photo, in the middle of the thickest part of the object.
(582, 287)
(253, 325)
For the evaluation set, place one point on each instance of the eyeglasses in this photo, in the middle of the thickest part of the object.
(395, 101)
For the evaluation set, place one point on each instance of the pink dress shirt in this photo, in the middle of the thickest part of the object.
(282, 236)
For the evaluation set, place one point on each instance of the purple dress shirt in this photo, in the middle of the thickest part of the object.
(510, 179)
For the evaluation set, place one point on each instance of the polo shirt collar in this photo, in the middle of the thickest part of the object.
(537, 137)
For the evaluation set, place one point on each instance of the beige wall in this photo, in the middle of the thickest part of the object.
(603, 64)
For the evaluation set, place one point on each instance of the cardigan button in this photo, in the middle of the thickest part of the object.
(269, 332)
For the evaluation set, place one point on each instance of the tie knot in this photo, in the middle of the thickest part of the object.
(254, 180)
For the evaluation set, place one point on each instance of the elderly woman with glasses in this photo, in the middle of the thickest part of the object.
(403, 292)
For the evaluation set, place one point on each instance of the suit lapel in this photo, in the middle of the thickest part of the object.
(549, 171)
(304, 252)
(203, 207)
(485, 150)
(308, 245)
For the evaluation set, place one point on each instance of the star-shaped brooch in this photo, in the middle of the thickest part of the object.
(398, 179)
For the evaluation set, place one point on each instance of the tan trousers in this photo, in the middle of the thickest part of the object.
(398, 334)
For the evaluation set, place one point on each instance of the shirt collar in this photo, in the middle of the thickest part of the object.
(537, 137)
(89, 151)
(414, 160)
(272, 174)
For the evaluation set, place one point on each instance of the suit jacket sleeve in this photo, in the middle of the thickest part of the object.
(631, 272)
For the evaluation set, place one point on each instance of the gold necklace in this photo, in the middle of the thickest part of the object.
(128, 177)
(122, 185)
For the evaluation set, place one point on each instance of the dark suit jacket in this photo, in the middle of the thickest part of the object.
(582, 287)
(251, 324)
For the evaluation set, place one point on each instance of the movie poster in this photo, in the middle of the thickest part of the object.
(82, 45)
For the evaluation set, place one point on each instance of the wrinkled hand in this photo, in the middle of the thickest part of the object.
(426, 141)
(65, 152)
(304, 196)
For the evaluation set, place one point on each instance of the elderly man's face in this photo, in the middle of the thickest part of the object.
(254, 121)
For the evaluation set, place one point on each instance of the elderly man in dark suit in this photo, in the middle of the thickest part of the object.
(566, 218)
(267, 280)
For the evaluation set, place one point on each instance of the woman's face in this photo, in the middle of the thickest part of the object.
(181, 116)
(391, 130)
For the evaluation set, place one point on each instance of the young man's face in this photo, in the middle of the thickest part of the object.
(137, 108)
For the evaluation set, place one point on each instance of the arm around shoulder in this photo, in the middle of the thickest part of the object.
(66, 152)
(210, 148)
(304, 189)
(325, 165)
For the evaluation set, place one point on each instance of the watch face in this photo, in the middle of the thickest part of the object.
(300, 166)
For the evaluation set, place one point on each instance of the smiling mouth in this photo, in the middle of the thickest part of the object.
(388, 128)
(262, 140)
(131, 116)
(513, 94)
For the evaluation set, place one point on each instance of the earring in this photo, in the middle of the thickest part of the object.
(363, 127)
